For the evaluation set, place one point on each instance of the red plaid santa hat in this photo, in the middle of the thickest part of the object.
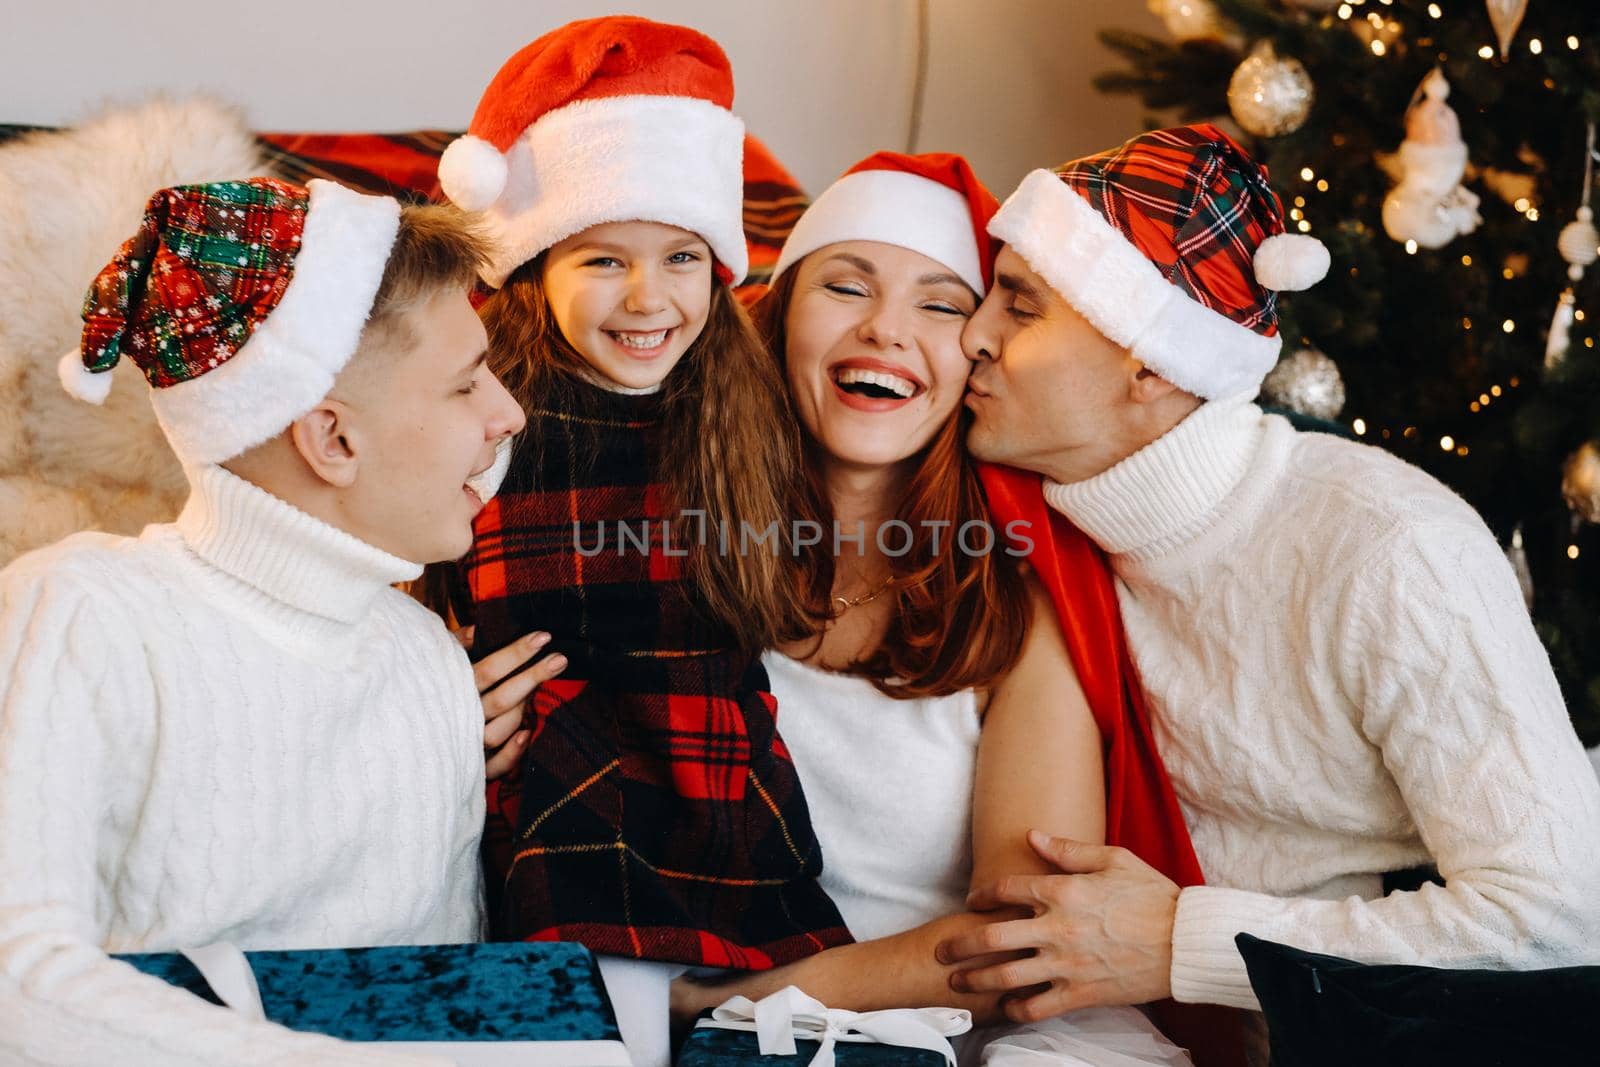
(1173, 246)
(930, 203)
(240, 301)
(604, 120)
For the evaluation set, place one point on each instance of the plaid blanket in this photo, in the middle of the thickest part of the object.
(656, 813)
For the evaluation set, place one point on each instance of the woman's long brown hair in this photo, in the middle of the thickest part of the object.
(732, 451)
(959, 619)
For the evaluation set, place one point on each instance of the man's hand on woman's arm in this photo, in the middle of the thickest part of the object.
(1098, 933)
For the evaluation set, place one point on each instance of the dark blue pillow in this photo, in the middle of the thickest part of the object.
(1323, 1010)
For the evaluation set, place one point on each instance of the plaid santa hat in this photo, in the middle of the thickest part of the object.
(604, 120)
(930, 203)
(240, 301)
(1173, 246)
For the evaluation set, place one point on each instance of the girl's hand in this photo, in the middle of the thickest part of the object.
(505, 694)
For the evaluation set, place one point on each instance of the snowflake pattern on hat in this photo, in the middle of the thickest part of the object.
(208, 264)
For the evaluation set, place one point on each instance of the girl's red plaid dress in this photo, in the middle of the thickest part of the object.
(656, 813)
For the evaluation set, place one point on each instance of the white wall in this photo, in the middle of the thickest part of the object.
(823, 82)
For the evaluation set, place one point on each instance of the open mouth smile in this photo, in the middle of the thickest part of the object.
(873, 386)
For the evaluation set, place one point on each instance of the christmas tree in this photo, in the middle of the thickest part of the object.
(1439, 309)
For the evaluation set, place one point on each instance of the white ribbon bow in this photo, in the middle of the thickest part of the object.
(228, 973)
(787, 1014)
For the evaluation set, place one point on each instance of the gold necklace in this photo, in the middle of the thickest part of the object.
(846, 603)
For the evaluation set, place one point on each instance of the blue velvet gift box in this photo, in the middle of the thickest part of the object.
(712, 1047)
(491, 1004)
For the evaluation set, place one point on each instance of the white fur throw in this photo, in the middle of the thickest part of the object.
(68, 199)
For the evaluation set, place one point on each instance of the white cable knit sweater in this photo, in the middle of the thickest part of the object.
(1344, 681)
(228, 728)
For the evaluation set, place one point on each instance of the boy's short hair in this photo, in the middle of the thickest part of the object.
(436, 247)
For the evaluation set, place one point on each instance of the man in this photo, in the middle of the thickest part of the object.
(1342, 678)
(231, 727)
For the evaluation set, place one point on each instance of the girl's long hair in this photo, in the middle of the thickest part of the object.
(730, 450)
(959, 619)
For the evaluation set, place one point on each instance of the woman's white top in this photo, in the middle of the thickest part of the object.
(889, 785)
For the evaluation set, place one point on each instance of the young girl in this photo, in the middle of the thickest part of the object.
(653, 814)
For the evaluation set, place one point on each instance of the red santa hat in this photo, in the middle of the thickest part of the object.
(240, 301)
(1173, 246)
(931, 203)
(604, 120)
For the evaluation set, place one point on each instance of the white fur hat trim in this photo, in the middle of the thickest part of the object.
(893, 207)
(672, 159)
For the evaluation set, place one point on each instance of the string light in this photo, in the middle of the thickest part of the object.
(1378, 47)
(1505, 272)
(1360, 427)
(1466, 324)
(1572, 43)
(1533, 214)
(1466, 261)
(1577, 316)
(1572, 551)
(1303, 226)
(1515, 382)
(1434, 12)
(1447, 443)
(1306, 174)
(1345, 11)
(1483, 398)
(1475, 406)
(1536, 46)
(1462, 450)
(1508, 326)
(1322, 185)
(1411, 248)
(1494, 390)
(1486, 52)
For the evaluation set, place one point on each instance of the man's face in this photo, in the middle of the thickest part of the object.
(428, 415)
(1048, 391)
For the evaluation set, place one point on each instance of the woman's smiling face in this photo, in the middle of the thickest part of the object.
(873, 349)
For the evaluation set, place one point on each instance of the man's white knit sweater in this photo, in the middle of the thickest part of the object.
(1344, 681)
(229, 728)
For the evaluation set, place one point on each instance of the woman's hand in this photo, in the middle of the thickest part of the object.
(505, 694)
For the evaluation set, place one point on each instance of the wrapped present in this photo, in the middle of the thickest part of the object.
(532, 1003)
(790, 1029)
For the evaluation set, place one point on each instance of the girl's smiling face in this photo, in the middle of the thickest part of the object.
(631, 297)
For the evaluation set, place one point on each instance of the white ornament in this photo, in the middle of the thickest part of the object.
(1308, 382)
(1579, 242)
(1430, 205)
(1269, 96)
(1189, 20)
(1505, 16)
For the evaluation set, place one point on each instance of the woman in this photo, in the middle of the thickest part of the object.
(936, 716)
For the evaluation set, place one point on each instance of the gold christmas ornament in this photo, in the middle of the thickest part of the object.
(1307, 382)
(1580, 482)
(1505, 16)
(1270, 96)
